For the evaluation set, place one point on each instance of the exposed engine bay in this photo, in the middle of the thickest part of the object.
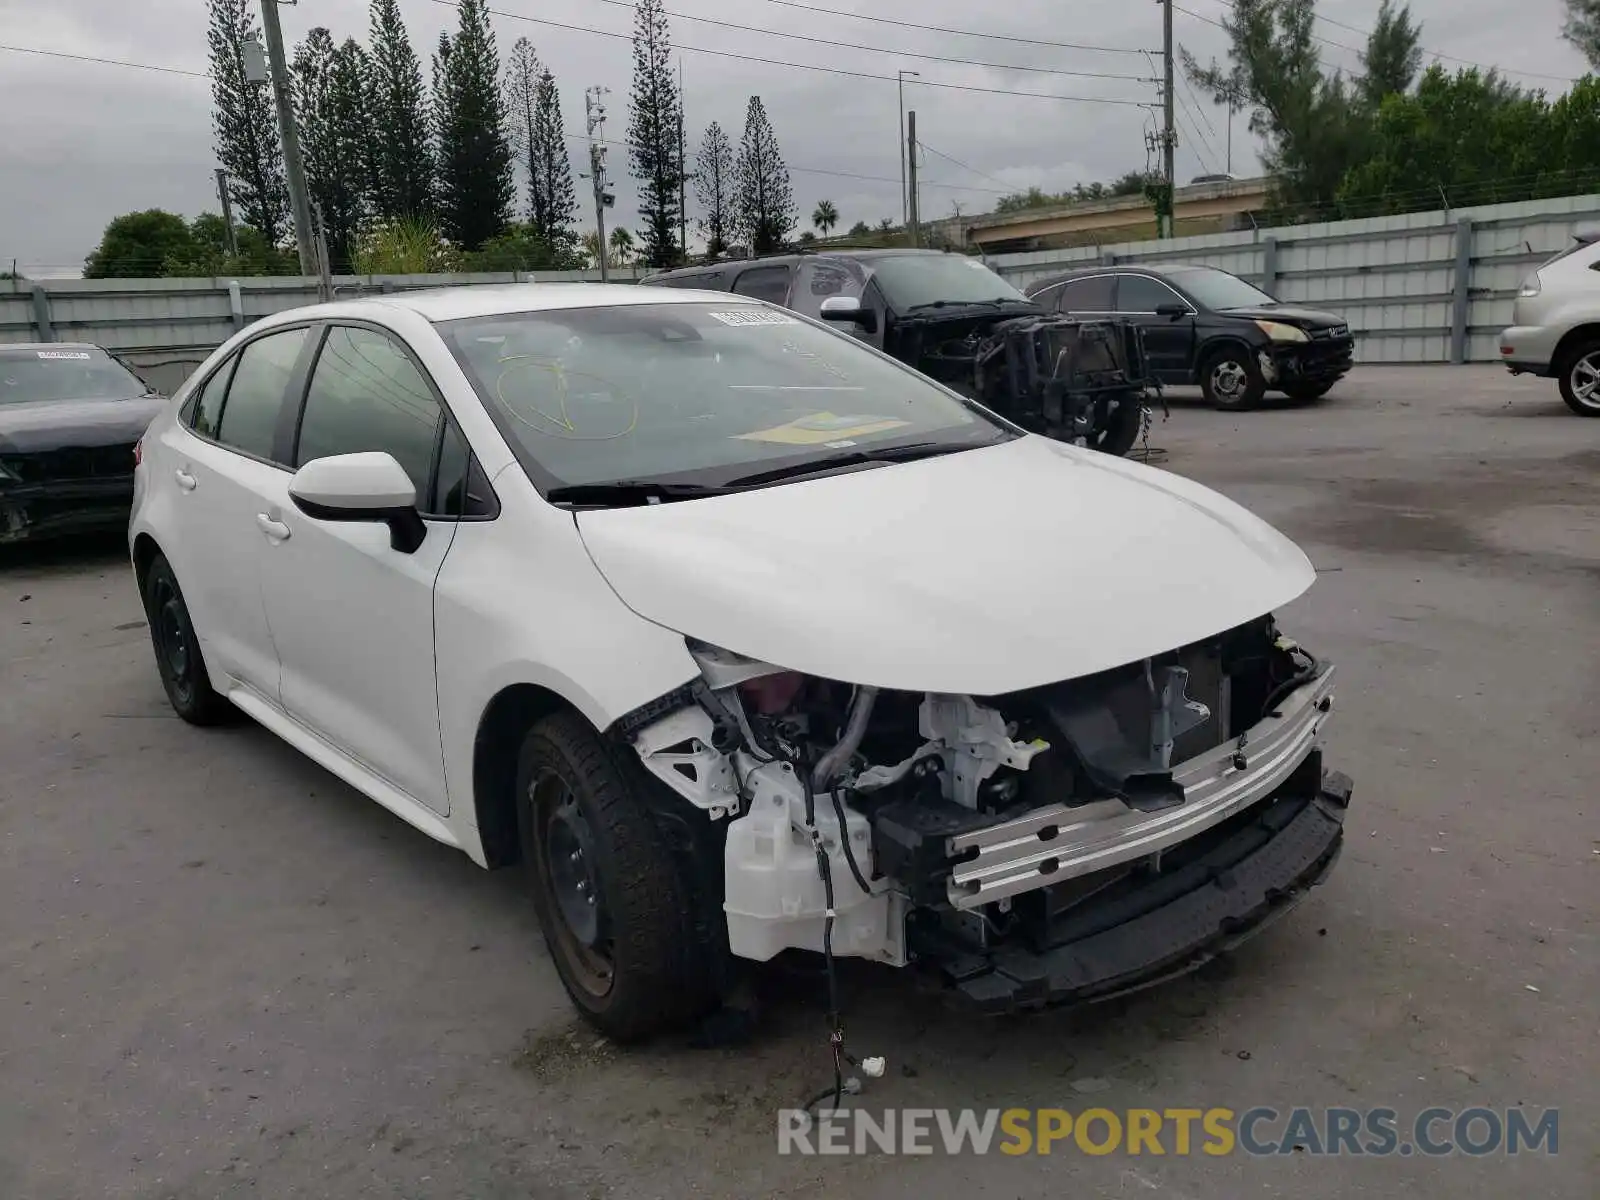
(1070, 841)
(1087, 382)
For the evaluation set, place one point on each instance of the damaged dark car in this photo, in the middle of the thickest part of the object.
(71, 417)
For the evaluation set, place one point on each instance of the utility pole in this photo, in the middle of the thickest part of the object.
(683, 175)
(293, 167)
(913, 215)
(232, 242)
(595, 108)
(324, 264)
(905, 199)
(1169, 132)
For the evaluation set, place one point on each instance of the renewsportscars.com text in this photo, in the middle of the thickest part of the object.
(1176, 1132)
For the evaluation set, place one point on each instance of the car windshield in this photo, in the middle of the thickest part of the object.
(911, 280)
(706, 392)
(1218, 289)
(30, 376)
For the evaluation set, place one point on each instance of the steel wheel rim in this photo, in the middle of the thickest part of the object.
(1585, 380)
(1228, 379)
(571, 886)
(171, 636)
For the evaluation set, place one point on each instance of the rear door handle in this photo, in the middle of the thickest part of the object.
(276, 531)
(185, 480)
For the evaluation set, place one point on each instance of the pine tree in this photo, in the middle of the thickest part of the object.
(476, 186)
(402, 158)
(713, 187)
(330, 87)
(523, 70)
(764, 200)
(655, 134)
(554, 201)
(246, 126)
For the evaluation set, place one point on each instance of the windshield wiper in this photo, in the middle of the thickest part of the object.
(968, 303)
(884, 454)
(624, 493)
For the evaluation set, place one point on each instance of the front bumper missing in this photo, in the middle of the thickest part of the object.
(1226, 889)
(59, 508)
(1057, 843)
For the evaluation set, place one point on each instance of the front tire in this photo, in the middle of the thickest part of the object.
(1231, 380)
(1580, 379)
(178, 655)
(1122, 429)
(612, 903)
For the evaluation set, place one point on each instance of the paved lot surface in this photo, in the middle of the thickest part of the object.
(223, 973)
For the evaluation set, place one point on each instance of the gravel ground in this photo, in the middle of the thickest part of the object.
(224, 973)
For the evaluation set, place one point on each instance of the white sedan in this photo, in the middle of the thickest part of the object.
(740, 637)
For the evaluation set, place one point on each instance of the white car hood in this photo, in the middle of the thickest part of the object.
(981, 572)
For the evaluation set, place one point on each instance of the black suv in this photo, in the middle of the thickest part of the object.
(1204, 326)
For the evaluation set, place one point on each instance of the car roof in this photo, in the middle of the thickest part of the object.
(499, 299)
(1157, 269)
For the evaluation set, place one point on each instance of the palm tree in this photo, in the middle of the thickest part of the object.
(621, 246)
(825, 217)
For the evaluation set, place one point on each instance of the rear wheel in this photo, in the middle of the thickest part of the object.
(178, 656)
(1231, 380)
(1580, 379)
(615, 911)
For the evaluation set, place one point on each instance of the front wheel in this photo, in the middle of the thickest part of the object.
(1231, 380)
(615, 911)
(1580, 380)
(1123, 426)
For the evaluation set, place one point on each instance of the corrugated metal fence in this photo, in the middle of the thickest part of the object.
(1424, 287)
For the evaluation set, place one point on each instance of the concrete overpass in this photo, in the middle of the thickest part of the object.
(1199, 208)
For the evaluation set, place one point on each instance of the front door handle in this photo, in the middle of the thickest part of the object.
(276, 531)
(185, 480)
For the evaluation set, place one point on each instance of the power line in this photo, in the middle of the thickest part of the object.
(1197, 138)
(802, 37)
(775, 62)
(110, 62)
(973, 33)
(963, 166)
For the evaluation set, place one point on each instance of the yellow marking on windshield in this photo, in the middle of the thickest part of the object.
(820, 428)
(565, 426)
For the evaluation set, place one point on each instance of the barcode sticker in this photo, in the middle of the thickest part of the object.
(754, 316)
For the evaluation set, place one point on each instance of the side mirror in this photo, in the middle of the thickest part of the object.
(1172, 311)
(849, 310)
(361, 487)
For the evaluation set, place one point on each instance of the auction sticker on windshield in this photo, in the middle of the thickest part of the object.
(81, 355)
(753, 316)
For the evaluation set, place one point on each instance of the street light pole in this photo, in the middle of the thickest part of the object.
(293, 167)
(905, 197)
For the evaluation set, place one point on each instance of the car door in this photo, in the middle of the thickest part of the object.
(224, 456)
(352, 617)
(770, 283)
(1092, 296)
(1169, 341)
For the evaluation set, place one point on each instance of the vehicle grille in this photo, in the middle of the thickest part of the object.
(71, 463)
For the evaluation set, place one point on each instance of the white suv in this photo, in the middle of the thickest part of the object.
(741, 637)
(1555, 328)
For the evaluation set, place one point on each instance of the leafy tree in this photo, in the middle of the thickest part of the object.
(654, 134)
(713, 186)
(475, 179)
(330, 86)
(137, 245)
(405, 246)
(1393, 55)
(886, 225)
(402, 155)
(207, 253)
(1582, 28)
(245, 124)
(860, 229)
(765, 201)
(825, 216)
(523, 248)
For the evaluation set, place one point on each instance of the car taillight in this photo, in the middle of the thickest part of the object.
(138, 452)
(1531, 286)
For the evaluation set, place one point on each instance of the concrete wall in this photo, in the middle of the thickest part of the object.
(1424, 287)
(164, 328)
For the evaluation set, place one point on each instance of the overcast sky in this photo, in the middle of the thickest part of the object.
(84, 141)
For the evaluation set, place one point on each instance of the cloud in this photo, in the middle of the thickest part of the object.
(84, 142)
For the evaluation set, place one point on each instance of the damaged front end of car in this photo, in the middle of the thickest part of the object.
(1063, 843)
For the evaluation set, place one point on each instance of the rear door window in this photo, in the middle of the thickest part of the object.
(764, 283)
(254, 402)
(1091, 295)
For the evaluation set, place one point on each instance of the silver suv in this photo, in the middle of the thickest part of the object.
(1555, 328)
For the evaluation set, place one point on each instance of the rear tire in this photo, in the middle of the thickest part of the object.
(613, 905)
(1231, 380)
(1580, 379)
(178, 655)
